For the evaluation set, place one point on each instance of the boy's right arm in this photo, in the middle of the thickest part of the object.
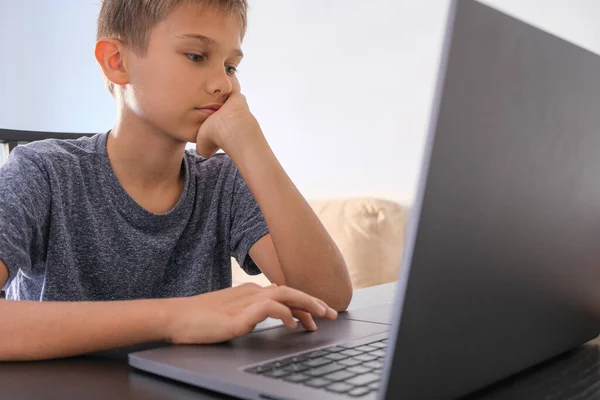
(38, 330)
(41, 330)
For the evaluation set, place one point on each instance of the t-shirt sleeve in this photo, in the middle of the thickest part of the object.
(247, 224)
(24, 211)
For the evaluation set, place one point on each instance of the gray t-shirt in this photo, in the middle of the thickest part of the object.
(70, 232)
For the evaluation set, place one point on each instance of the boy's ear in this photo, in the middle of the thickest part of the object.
(110, 54)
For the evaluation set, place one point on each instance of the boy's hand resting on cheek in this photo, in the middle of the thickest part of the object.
(230, 128)
(229, 313)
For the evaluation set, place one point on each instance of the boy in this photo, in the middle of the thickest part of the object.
(126, 238)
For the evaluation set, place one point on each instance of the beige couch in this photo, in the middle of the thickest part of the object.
(369, 233)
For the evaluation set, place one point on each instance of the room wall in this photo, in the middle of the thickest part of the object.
(342, 88)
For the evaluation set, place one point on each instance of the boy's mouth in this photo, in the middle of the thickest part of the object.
(210, 109)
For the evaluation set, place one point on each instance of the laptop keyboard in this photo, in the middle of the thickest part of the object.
(352, 370)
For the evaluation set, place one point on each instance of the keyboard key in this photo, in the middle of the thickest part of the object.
(276, 373)
(317, 382)
(324, 370)
(379, 345)
(365, 357)
(335, 349)
(336, 356)
(295, 368)
(317, 362)
(297, 378)
(359, 391)
(351, 352)
(374, 364)
(339, 387)
(365, 349)
(364, 379)
(378, 353)
(374, 385)
(359, 369)
(277, 364)
(350, 362)
(258, 370)
(339, 376)
(297, 359)
(316, 354)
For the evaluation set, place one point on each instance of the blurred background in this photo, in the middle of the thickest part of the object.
(342, 88)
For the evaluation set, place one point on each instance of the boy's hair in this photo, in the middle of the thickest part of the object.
(131, 21)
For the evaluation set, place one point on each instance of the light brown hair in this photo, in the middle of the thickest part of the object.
(131, 21)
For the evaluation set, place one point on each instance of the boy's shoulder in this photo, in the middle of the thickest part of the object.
(215, 174)
(64, 155)
(56, 150)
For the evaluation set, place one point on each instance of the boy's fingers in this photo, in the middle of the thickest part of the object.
(298, 300)
(306, 320)
(331, 313)
(260, 311)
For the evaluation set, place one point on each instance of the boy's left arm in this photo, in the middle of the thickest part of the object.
(298, 252)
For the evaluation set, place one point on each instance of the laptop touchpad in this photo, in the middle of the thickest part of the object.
(328, 332)
(382, 314)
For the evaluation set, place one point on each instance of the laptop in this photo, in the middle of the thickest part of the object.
(500, 267)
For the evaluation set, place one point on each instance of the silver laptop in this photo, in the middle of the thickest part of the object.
(501, 263)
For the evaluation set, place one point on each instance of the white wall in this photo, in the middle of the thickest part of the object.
(342, 88)
(49, 80)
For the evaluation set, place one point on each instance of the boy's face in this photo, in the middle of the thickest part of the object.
(190, 63)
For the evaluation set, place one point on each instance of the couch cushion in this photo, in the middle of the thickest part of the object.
(369, 232)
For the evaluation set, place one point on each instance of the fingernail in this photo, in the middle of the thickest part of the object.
(333, 312)
(314, 326)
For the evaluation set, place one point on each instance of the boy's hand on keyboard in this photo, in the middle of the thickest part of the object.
(234, 312)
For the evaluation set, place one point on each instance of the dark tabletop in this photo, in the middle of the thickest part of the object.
(574, 375)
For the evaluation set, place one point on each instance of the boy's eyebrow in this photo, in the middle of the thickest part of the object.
(208, 40)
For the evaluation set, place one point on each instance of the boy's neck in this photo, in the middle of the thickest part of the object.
(143, 158)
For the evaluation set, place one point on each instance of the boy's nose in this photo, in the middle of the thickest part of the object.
(220, 84)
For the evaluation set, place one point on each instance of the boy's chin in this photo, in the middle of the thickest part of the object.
(189, 137)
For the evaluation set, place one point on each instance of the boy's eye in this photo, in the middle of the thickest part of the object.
(231, 70)
(195, 57)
